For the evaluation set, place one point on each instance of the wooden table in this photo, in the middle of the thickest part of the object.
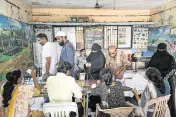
(89, 83)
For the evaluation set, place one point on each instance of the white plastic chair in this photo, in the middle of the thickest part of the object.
(61, 109)
(161, 106)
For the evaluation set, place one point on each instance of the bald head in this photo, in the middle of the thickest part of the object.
(112, 51)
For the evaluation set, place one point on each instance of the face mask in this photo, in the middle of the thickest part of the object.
(61, 43)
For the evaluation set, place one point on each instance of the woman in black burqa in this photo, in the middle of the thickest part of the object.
(97, 61)
(162, 60)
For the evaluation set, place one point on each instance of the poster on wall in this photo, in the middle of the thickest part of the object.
(140, 38)
(93, 35)
(124, 36)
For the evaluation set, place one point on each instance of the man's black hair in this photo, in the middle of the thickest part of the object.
(63, 67)
(82, 50)
(42, 35)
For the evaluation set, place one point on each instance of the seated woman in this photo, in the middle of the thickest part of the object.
(156, 87)
(112, 95)
(16, 95)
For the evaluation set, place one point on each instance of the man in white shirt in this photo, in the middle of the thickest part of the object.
(49, 57)
(62, 87)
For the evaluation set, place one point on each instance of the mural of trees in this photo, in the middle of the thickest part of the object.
(14, 37)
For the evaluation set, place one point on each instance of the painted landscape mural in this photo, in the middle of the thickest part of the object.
(15, 39)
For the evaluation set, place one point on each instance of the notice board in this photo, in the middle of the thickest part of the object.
(93, 35)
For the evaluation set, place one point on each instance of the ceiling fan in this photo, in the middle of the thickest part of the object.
(97, 6)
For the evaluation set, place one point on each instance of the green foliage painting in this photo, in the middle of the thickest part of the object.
(15, 36)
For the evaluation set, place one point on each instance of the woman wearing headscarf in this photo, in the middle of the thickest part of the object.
(162, 60)
(96, 62)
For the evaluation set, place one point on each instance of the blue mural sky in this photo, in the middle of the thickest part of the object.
(8, 23)
(4, 22)
(15, 24)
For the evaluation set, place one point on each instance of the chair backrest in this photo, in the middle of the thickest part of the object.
(61, 109)
(116, 112)
(161, 106)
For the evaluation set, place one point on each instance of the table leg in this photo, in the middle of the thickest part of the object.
(84, 102)
(87, 100)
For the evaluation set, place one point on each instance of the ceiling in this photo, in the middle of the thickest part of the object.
(110, 4)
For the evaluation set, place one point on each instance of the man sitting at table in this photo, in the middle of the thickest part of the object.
(62, 86)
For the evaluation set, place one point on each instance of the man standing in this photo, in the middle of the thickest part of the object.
(117, 61)
(81, 60)
(68, 50)
(49, 58)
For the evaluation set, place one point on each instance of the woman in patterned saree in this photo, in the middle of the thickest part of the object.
(16, 95)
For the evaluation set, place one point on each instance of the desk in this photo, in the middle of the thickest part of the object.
(89, 83)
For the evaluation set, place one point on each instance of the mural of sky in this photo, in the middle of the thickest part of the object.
(162, 35)
(4, 22)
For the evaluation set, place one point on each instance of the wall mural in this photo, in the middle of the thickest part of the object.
(15, 37)
(163, 35)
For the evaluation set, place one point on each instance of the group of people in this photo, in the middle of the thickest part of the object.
(116, 60)
(62, 87)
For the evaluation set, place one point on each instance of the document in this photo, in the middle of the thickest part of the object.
(139, 82)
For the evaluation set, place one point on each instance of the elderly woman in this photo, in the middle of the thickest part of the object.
(16, 95)
(96, 62)
(156, 87)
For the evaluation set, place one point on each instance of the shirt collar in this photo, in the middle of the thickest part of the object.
(59, 74)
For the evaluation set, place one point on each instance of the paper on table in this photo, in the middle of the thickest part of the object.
(129, 74)
(139, 82)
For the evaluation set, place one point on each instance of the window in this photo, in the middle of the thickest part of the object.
(110, 33)
(79, 38)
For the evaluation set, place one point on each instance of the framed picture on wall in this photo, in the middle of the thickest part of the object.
(124, 37)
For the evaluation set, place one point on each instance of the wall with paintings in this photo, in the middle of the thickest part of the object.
(164, 14)
(15, 39)
(163, 35)
(164, 29)
(15, 9)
